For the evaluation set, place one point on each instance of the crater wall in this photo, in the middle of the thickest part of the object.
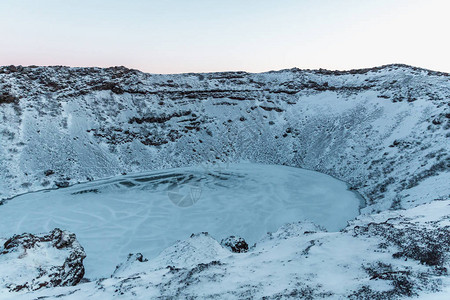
(383, 130)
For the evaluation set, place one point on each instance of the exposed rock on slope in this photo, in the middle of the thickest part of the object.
(235, 244)
(30, 262)
(384, 130)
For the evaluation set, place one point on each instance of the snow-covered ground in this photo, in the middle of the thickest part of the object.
(385, 131)
(141, 213)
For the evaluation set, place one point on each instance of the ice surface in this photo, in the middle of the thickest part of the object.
(148, 212)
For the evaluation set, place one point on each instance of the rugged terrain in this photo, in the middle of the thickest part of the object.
(29, 262)
(383, 130)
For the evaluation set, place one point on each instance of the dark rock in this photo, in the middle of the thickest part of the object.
(62, 184)
(235, 244)
(267, 108)
(158, 119)
(113, 87)
(49, 172)
(6, 97)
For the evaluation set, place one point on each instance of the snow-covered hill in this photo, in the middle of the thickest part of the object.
(384, 130)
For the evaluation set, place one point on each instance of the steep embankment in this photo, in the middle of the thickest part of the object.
(383, 130)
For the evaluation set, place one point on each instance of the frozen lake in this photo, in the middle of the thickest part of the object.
(148, 212)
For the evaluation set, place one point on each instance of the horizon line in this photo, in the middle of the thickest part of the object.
(236, 71)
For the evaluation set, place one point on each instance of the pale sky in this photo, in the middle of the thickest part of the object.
(205, 35)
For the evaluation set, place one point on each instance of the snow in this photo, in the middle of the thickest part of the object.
(113, 218)
(383, 130)
(23, 266)
(297, 258)
(342, 124)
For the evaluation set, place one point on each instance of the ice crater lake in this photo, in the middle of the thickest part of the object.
(148, 212)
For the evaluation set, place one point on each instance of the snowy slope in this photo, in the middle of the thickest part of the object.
(384, 130)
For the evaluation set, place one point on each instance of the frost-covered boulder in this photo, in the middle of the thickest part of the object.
(235, 244)
(292, 230)
(129, 263)
(31, 262)
(198, 248)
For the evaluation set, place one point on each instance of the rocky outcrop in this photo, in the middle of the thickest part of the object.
(31, 262)
(235, 244)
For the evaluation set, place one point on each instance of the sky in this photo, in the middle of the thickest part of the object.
(178, 36)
